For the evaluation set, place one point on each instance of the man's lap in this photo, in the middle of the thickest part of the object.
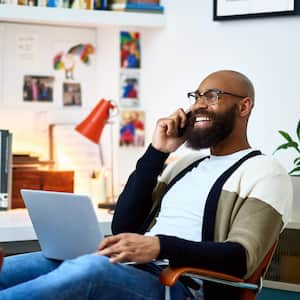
(89, 275)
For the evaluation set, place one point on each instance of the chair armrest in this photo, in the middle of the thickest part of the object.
(169, 276)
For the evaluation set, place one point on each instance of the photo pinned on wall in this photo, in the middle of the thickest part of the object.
(38, 88)
(129, 89)
(132, 128)
(130, 50)
(71, 94)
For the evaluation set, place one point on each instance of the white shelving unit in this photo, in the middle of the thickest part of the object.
(82, 18)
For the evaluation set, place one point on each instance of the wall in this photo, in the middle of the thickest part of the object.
(176, 58)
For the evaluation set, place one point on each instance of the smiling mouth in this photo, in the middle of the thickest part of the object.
(202, 121)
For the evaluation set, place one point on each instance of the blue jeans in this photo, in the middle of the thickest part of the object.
(32, 276)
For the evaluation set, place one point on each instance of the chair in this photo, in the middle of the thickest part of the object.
(249, 287)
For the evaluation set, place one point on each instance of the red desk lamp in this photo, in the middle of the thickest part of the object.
(91, 127)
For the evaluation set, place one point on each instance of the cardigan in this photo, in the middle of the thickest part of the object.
(252, 210)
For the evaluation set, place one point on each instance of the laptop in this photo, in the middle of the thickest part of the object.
(66, 224)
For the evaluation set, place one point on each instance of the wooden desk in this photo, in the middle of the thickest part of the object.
(17, 234)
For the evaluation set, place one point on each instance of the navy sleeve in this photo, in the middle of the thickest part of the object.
(135, 202)
(227, 257)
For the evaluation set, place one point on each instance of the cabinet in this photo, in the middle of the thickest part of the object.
(59, 181)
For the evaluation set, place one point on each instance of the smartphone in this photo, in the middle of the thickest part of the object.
(181, 130)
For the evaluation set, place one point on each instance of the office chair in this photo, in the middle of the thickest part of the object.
(249, 287)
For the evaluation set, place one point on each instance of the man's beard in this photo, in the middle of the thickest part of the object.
(222, 126)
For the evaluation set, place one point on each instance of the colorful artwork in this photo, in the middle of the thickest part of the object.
(132, 128)
(130, 52)
(71, 94)
(129, 84)
(38, 88)
(67, 61)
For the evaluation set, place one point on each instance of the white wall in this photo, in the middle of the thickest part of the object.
(192, 45)
(177, 57)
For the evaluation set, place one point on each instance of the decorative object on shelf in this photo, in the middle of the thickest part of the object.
(67, 61)
(295, 172)
(91, 127)
(239, 9)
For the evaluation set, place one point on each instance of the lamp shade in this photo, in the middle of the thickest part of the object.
(91, 127)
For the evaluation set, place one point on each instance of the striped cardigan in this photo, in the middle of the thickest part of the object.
(252, 209)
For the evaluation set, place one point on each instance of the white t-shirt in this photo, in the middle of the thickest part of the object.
(183, 205)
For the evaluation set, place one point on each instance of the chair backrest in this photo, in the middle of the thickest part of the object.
(263, 267)
(1, 257)
(258, 275)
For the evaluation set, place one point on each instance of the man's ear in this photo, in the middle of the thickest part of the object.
(245, 106)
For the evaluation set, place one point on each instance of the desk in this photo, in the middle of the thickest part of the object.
(17, 234)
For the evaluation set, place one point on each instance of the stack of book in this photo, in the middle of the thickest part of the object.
(5, 169)
(29, 161)
(150, 6)
(26, 161)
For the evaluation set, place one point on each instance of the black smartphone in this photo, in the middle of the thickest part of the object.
(181, 130)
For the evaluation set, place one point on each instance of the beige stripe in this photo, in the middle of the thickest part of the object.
(250, 222)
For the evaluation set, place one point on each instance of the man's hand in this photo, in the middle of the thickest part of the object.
(165, 137)
(130, 247)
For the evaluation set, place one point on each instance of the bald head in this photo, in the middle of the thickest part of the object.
(229, 81)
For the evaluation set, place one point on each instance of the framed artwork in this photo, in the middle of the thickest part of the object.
(71, 94)
(129, 89)
(130, 49)
(38, 88)
(239, 9)
(132, 128)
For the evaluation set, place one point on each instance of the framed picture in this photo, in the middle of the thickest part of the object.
(129, 89)
(132, 128)
(38, 88)
(71, 94)
(239, 9)
(130, 49)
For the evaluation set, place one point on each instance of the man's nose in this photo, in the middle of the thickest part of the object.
(200, 104)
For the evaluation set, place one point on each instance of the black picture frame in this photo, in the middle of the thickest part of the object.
(219, 17)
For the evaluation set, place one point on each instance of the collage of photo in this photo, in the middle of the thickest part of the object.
(132, 118)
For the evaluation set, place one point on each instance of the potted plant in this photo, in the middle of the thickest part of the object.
(295, 172)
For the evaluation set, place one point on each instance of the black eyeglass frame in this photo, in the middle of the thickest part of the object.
(197, 94)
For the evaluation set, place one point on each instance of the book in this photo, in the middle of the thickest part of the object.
(145, 7)
(5, 169)
(143, 1)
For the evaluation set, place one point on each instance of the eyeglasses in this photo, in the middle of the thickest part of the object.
(209, 97)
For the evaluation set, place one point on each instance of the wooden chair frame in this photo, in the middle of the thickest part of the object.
(249, 287)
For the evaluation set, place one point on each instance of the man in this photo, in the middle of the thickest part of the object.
(223, 211)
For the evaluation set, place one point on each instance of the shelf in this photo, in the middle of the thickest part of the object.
(293, 225)
(291, 287)
(82, 18)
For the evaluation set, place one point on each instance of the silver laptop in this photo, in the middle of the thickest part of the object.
(66, 224)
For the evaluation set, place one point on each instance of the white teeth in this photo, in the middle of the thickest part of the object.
(201, 119)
